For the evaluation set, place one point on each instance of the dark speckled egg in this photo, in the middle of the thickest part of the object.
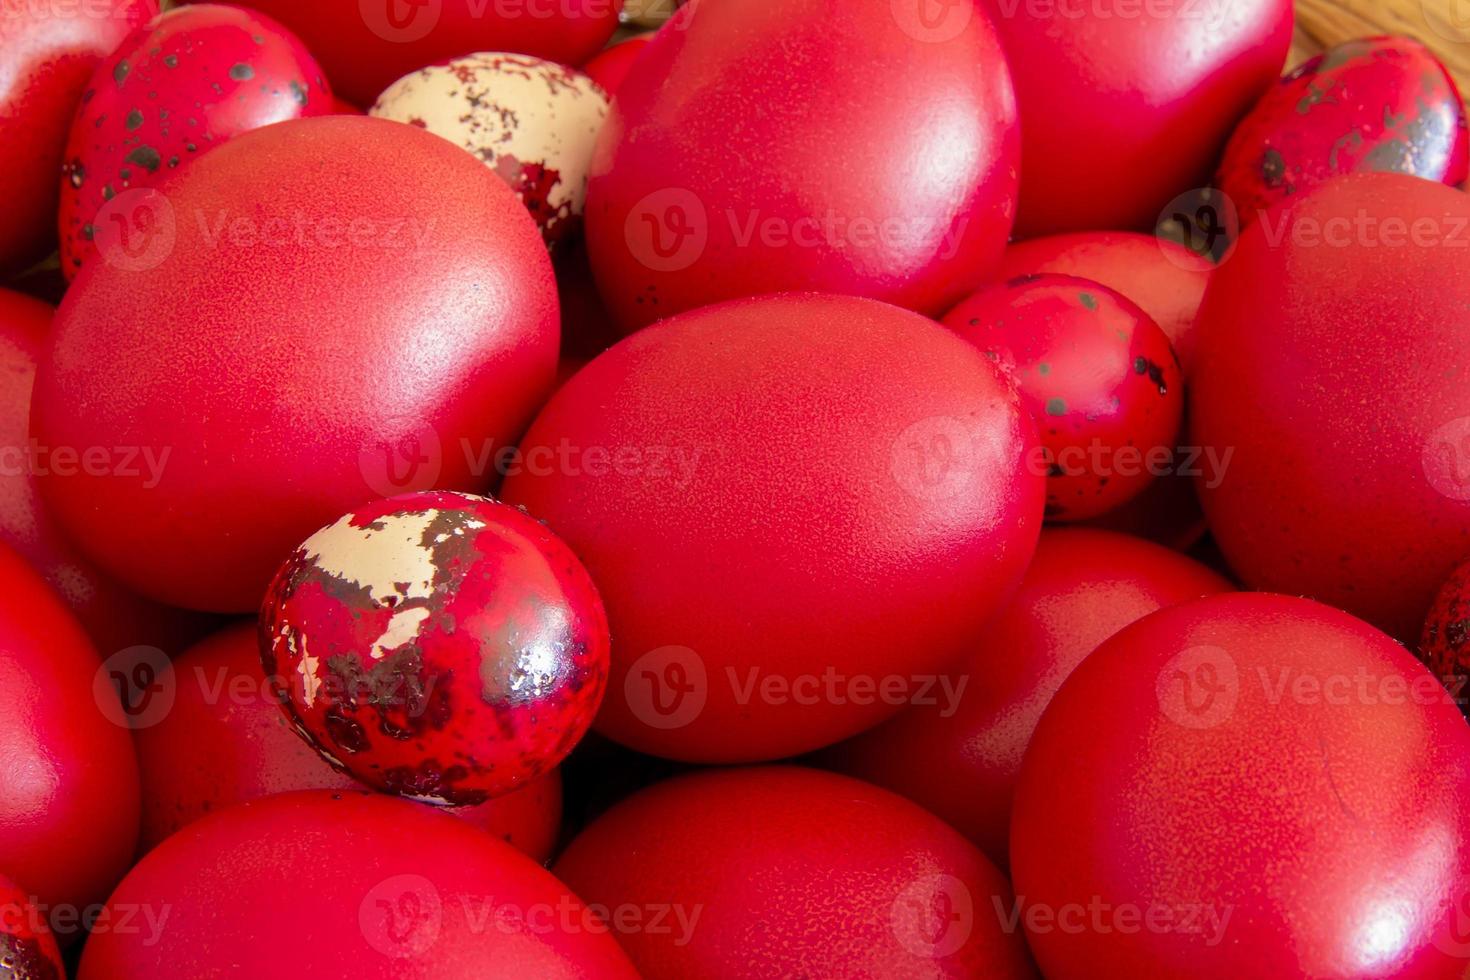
(27, 948)
(1444, 645)
(438, 645)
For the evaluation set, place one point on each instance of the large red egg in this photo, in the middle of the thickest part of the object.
(314, 314)
(50, 51)
(797, 509)
(320, 884)
(1332, 365)
(27, 948)
(789, 872)
(759, 147)
(959, 753)
(1246, 786)
(1125, 105)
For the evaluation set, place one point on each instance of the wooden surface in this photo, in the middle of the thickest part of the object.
(1443, 25)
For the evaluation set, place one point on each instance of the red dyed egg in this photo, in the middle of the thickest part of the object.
(223, 739)
(1380, 104)
(750, 150)
(352, 885)
(959, 753)
(1332, 365)
(797, 509)
(189, 80)
(1097, 375)
(437, 645)
(789, 872)
(1125, 105)
(50, 51)
(608, 68)
(314, 314)
(1246, 785)
(1444, 646)
(27, 947)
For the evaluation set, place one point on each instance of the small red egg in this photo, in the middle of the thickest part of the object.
(1098, 376)
(1444, 646)
(790, 872)
(609, 67)
(179, 86)
(437, 645)
(1246, 786)
(27, 947)
(320, 884)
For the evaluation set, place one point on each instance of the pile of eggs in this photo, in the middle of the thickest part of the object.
(730, 489)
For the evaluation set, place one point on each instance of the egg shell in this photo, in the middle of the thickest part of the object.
(50, 51)
(27, 948)
(1378, 104)
(774, 491)
(184, 83)
(1125, 105)
(225, 740)
(352, 884)
(1284, 774)
(609, 67)
(738, 159)
(327, 311)
(533, 122)
(1332, 365)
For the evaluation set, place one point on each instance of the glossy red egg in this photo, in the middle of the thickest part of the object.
(437, 645)
(1125, 105)
(50, 51)
(959, 754)
(1444, 645)
(1246, 785)
(27, 948)
(320, 884)
(753, 149)
(1347, 480)
(797, 509)
(609, 67)
(312, 315)
(791, 872)
(179, 86)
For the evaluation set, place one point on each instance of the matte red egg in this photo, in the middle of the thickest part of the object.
(609, 67)
(179, 86)
(1444, 645)
(959, 753)
(1246, 785)
(1332, 364)
(27, 947)
(791, 872)
(223, 739)
(312, 315)
(753, 149)
(321, 884)
(50, 51)
(796, 508)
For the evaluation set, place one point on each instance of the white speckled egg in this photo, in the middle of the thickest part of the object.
(533, 122)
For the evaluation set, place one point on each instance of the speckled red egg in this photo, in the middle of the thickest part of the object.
(1444, 645)
(751, 149)
(609, 67)
(1379, 104)
(312, 315)
(223, 739)
(437, 645)
(790, 872)
(321, 884)
(1273, 786)
(795, 507)
(186, 82)
(959, 753)
(1332, 366)
(1098, 376)
(50, 51)
(27, 948)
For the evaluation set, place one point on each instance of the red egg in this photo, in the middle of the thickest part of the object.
(320, 884)
(50, 51)
(69, 782)
(221, 738)
(27, 947)
(789, 872)
(757, 147)
(1125, 105)
(312, 315)
(1246, 786)
(179, 86)
(437, 645)
(1332, 367)
(1097, 375)
(366, 44)
(959, 753)
(1444, 645)
(797, 509)
(1372, 105)
(609, 67)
